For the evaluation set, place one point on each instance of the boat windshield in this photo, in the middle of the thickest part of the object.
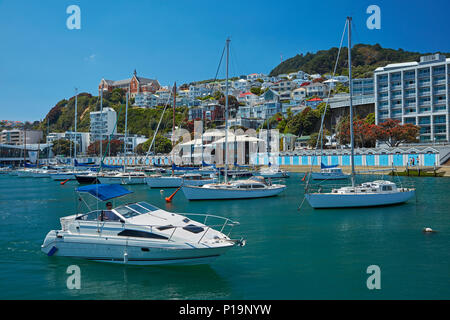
(132, 210)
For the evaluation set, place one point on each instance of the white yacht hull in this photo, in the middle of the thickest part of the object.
(335, 200)
(122, 180)
(199, 193)
(328, 176)
(130, 251)
(164, 182)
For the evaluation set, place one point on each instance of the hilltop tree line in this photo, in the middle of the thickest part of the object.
(365, 59)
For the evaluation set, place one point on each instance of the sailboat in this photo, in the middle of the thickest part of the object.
(256, 187)
(369, 194)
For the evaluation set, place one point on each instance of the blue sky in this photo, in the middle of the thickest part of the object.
(41, 61)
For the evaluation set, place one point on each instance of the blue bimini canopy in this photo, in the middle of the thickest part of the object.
(174, 167)
(322, 166)
(105, 192)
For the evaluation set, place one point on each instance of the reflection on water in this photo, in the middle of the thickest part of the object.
(111, 281)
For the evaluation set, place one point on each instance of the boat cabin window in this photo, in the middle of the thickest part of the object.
(148, 206)
(138, 208)
(140, 234)
(386, 188)
(127, 212)
(100, 215)
(257, 186)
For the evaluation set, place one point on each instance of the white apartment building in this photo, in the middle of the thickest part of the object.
(81, 138)
(416, 93)
(103, 124)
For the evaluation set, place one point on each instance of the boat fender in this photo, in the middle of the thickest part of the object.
(161, 191)
(52, 251)
(125, 257)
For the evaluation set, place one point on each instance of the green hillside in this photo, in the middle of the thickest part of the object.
(365, 59)
(140, 121)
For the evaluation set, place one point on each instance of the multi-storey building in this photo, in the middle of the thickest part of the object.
(416, 93)
(103, 124)
(363, 87)
(82, 139)
(17, 137)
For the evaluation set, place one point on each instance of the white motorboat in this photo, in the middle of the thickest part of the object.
(369, 194)
(138, 234)
(255, 187)
(329, 174)
(134, 177)
(272, 172)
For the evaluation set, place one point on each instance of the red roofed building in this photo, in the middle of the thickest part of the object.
(135, 85)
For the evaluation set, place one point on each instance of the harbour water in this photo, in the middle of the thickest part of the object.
(290, 254)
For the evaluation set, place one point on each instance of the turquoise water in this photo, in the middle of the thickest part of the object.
(290, 254)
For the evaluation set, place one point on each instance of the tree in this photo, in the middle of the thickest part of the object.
(115, 147)
(233, 104)
(162, 145)
(62, 147)
(256, 90)
(393, 133)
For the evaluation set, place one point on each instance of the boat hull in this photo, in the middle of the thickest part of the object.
(130, 251)
(86, 179)
(334, 200)
(199, 193)
(122, 180)
(328, 176)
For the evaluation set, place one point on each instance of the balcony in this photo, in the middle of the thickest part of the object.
(440, 81)
(424, 93)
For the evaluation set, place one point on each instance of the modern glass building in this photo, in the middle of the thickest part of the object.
(416, 93)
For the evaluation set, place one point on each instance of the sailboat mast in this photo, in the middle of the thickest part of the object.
(126, 130)
(352, 142)
(226, 116)
(101, 119)
(75, 133)
(173, 119)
